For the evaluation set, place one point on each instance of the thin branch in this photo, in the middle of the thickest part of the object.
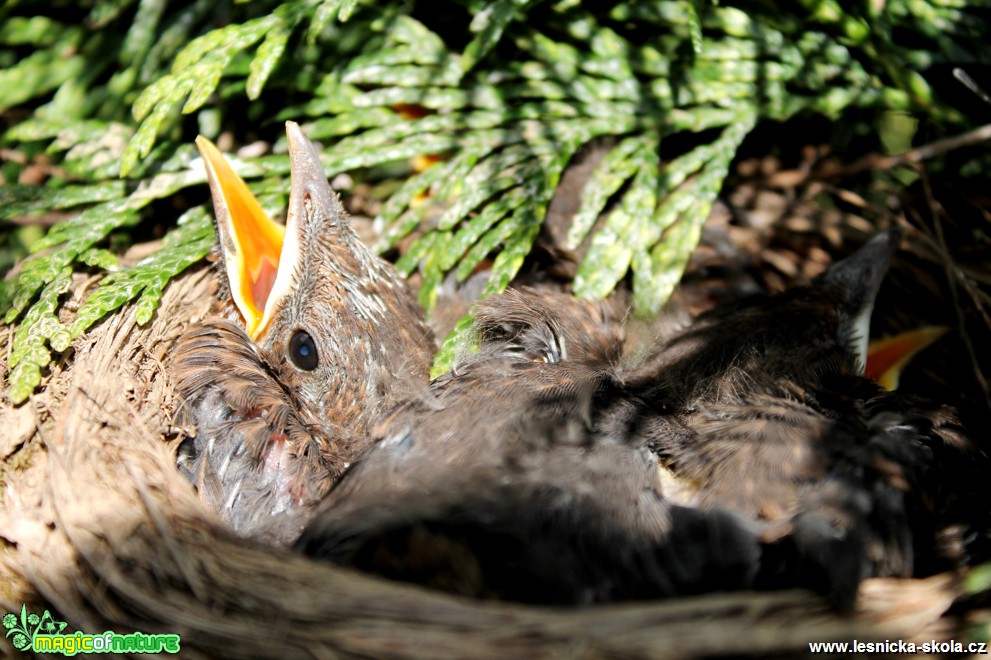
(789, 178)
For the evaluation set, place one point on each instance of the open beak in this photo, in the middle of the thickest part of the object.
(263, 259)
(887, 357)
(250, 240)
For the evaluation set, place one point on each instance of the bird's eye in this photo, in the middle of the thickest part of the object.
(303, 351)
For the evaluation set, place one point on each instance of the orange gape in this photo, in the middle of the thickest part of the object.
(251, 241)
(887, 357)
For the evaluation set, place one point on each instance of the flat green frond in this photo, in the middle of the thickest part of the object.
(326, 12)
(414, 36)
(269, 54)
(353, 157)
(389, 222)
(516, 247)
(16, 201)
(471, 231)
(510, 222)
(72, 238)
(483, 184)
(488, 26)
(563, 58)
(456, 120)
(37, 74)
(454, 181)
(99, 258)
(190, 242)
(37, 31)
(105, 11)
(612, 248)
(677, 224)
(141, 37)
(484, 246)
(693, 8)
(198, 69)
(81, 244)
(407, 75)
(462, 339)
(40, 332)
(29, 353)
(614, 170)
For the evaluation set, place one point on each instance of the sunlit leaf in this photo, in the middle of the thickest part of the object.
(463, 133)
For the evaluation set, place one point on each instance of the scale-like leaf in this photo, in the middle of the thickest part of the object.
(267, 57)
(37, 74)
(189, 243)
(462, 338)
(141, 36)
(16, 201)
(29, 353)
(472, 230)
(383, 92)
(479, 187)
(615, 169)
(197, 72)
(489, 25)
(656, 275)
(274, 45)
(78, 235)
(406, 75)
(612, 248)
(100, 258)
(517, 245)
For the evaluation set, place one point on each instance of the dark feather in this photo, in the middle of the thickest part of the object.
(759, 407)
(500, 484)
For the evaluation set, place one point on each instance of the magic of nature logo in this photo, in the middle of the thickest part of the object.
(43, 634)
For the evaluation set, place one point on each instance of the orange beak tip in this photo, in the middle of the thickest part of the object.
(887, 358)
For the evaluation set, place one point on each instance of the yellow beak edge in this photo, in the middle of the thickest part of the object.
(250, 240)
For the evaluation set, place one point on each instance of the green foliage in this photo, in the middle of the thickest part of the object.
(72, 243)
(501, 96)
(199, 67)
(189, 243)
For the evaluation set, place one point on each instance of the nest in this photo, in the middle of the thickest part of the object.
(98, 526)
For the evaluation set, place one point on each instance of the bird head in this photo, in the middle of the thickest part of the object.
(852, 284)
(336, 325)
(800, 336)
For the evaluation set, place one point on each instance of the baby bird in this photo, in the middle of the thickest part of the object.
(761, 407)
(321, 338)
(746, 452)
(501, 483)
